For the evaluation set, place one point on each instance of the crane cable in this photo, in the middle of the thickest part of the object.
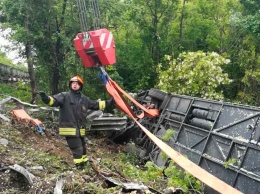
(94, 8)
(83, 17)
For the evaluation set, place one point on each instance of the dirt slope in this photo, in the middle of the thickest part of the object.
(47, 157)
(113, 168)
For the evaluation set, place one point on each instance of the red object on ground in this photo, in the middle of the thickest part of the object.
(21, 116)
(98, 48)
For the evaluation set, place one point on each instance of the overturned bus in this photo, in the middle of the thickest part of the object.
(220, 137)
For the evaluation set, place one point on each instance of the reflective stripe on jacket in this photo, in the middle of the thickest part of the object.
(73, 111)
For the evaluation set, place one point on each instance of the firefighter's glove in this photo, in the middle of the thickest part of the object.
(110, 102)
(45, 97)
(103, 77)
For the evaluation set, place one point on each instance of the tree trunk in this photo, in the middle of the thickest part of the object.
(58, 55)
(181, 23)
(28, 49)
(28, 53)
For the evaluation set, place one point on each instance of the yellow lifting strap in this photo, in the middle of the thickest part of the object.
(191, 167)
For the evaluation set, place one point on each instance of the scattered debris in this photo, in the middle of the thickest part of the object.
(4, 142)
(3, 117)
(22, 117)
(36, 168)
(29, 177)
(108, 123)
(172, 190)
(59, 184)
(98, 121)
(127, 186)
(16, 100)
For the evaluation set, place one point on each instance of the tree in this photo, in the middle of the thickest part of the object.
(45, 31)
(18, 15)
(251, 93)
(196, 74)
(244, 52)
(4, 59)
(141, 36)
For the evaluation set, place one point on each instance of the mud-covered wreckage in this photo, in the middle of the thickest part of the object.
(220, 137)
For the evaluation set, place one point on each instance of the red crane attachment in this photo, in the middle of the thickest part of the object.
(95, 47)
(98, 49)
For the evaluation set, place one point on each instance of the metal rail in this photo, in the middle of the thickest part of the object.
(8, 73)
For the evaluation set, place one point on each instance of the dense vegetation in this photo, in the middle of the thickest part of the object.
(145, 32)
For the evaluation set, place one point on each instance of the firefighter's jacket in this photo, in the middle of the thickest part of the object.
(73, 111)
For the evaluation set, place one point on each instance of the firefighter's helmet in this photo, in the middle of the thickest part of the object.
(78, 79)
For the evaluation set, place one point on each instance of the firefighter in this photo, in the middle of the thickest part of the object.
(72, 116)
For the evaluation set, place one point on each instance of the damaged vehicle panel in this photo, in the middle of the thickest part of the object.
(100, 121)
(220, 137)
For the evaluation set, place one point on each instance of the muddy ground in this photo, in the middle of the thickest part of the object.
(48, 157)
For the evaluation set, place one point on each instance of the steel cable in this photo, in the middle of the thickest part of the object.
(82, 9)
(95, 14)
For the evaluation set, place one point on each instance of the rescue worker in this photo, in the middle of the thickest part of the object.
(72, 116)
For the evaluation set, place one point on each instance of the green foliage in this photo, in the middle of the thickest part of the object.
(154, 172)
(4, 59)
(157, 175)
(194, 73)
(144, 33)
(141, 41)
(169, 133)
(179, 178)
(251, 94)
(164, 156)
(128, 157)
(133, 63)
(18, 90)
(251, 19)
(231, 161)
(132, 171)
